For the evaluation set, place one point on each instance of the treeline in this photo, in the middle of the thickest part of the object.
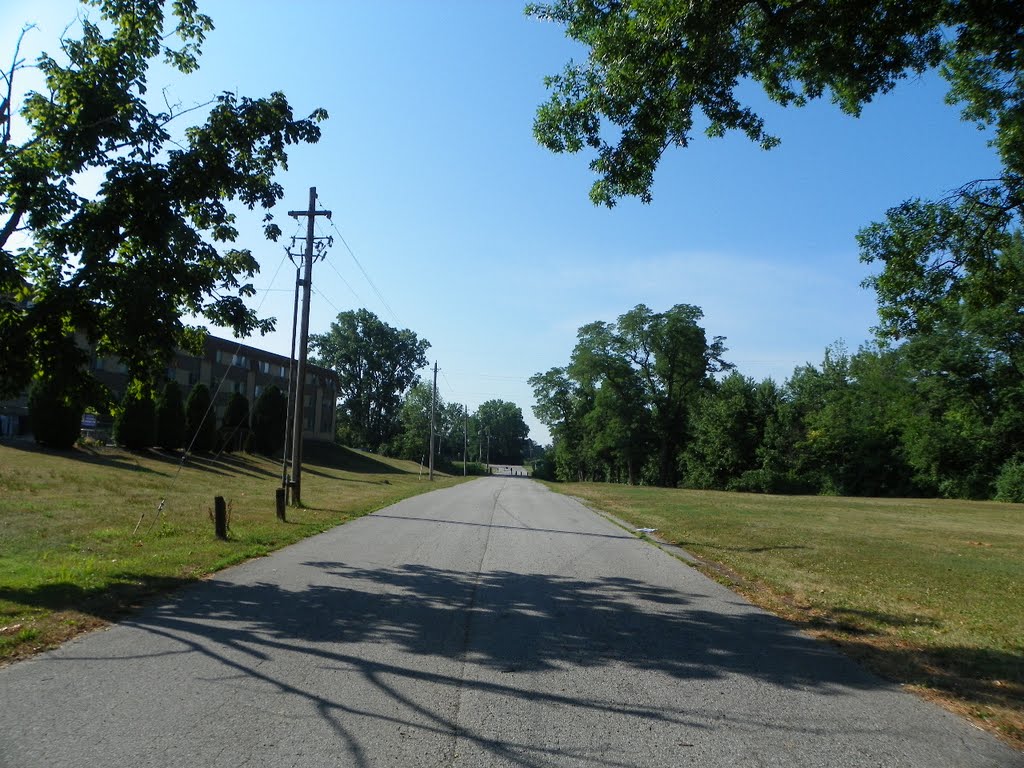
(384, 407)
(494, 433)
(940, 413)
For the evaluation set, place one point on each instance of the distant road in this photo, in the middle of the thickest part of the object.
(490, 624)
(509, 470)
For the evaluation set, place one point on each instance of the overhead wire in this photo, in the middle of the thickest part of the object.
(323, 296)
(366, 275)
(451, 389)
(346, 282)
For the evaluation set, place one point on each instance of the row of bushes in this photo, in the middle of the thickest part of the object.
(143, 421)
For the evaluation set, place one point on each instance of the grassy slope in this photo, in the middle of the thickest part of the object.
(926, 592)
(70, 559)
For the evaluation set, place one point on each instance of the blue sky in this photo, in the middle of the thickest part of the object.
(487, 245)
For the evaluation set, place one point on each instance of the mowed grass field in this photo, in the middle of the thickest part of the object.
(71, 558)
(928, 593)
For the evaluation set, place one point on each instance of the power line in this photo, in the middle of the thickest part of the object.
(366, 275)
(346, 282)
(323, 296)
(445, 377)
(495, 377)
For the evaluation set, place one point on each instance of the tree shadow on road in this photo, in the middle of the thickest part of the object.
(503, 625)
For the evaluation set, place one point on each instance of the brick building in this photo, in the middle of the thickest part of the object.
(226, 366)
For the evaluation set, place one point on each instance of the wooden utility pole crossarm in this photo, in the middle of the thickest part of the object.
(298, 420)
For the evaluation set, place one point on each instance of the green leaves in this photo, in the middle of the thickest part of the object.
(625, 399)
(123, 266)
(657, 71)
(376, 364)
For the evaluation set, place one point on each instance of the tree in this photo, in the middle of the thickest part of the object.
(235, 424)
(376, 364)
(622, 407)
(56, 413)
(618, 426)
(848, 425)
(725, 434)
(413, 440)
(124, 265)
(269, 415)
(562, 404)
(450, 422)
(135, 421)
(655, 70)
(503, 422)
(170, 417)
(675, 361)
(200, 431)
(964, 417)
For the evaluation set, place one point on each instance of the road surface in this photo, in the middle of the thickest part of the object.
(490, 624)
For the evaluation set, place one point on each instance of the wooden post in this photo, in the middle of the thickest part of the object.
(220, 517)
(299, 419)
(279, 498)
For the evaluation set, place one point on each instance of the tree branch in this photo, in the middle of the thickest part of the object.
(11, 226)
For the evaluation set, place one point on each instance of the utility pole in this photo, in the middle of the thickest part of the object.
(291, 377)
(465, 437)
(433, 397)
(298, 420)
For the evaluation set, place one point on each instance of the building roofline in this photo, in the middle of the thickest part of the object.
(236, 347)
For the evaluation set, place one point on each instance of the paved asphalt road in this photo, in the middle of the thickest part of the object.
(491, 624)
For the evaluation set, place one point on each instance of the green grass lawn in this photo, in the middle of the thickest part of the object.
(929, 593)
(71, 558)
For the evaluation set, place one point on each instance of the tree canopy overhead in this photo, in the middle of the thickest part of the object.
(123, 265)
(657, 72)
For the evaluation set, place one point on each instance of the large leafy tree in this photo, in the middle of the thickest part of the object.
(675, 361)
(658, 71)
(376, 364)
(124, 264)
(413, 439)
(452, 429)
(626, 399)
(503, 422)
(725, 431)
(619, 424)
(562, 403)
